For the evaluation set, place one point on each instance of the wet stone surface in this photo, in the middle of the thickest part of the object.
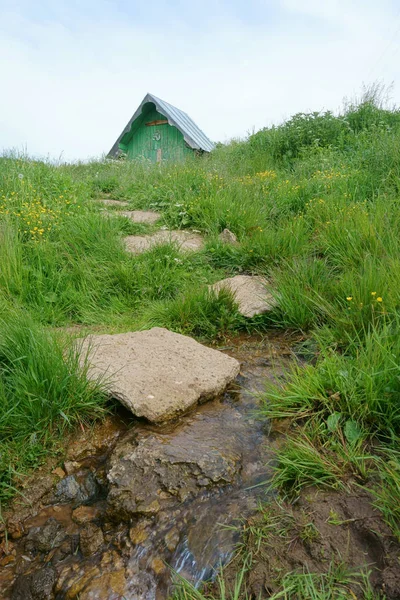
(159, 496)
(150, 471)
(45, 538)
(91, 539)
(38, 585)
(70, 489)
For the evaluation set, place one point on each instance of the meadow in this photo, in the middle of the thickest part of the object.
(315, 205)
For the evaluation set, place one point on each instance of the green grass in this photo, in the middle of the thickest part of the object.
(337, 583)
(203, 314)
(359, 384)
(300, 463)
(184, 590)
(314, 203)
(387, 489)
(333, 585)
(43, 392)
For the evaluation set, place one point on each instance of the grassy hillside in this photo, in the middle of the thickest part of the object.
(315, 206)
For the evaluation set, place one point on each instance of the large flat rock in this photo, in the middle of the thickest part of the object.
(186, 240)
(158, 374)
(251, 292)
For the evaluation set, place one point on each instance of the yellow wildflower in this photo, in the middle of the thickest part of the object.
(379, 299)
(349, 298)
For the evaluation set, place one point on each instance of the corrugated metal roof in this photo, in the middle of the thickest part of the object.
(192, 135)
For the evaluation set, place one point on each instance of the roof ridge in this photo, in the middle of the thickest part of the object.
(169, 104)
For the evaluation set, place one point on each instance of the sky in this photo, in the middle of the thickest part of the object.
(72, 72)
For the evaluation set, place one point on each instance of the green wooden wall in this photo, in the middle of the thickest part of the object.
(154, 142)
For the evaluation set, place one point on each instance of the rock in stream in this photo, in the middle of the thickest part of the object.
(152, 471)
(160, 497)
(158, 374)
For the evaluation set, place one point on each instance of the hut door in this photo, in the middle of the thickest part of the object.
(156, 145)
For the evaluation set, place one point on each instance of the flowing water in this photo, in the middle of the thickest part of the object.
(94, 552)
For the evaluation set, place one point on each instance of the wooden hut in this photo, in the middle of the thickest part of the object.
(159, 131)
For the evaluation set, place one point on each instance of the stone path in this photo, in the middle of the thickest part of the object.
(137, 216)
(140, 216)
(251, 292)
(158, 374)
(186, 240)
(109, 202)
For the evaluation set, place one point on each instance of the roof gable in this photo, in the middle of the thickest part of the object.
(192, 135)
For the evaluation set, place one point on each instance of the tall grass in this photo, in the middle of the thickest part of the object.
(348, 406)
(360, 384)
(43, 391)
(204, 314)
(315, 206)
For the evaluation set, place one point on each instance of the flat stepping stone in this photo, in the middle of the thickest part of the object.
(109, 202)
(250, 292)
(140, 216)
(158, 374)
(186, 240)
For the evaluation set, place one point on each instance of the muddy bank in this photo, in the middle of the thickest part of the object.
(131, 498)
(320, 528)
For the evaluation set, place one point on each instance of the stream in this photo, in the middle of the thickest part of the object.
(143, 500)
